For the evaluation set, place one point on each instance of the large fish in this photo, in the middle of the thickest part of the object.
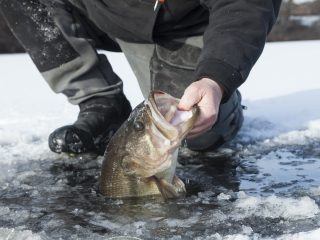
(141, 157)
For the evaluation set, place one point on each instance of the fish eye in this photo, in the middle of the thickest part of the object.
(139, 126)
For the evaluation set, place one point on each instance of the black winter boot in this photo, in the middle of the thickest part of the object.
(98, 120)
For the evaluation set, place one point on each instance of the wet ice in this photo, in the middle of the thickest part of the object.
(56, 197)
(264, 185)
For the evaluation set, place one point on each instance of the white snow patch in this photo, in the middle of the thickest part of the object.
(300, 1)
(4, 211)
(303, 1)
(217, 236)
(223, 196)
(301, 137)
(17, 216)
(311, 235)
(284, 113)
(307, 21)
(107, 224)
(13, 234)
(275, 207)
(248, 235)
(184, 223)
(284, 68)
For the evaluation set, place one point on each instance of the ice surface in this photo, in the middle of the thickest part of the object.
(12, 234)
(311, 235)
(275, 207)
(307, 21)
(284, 69)
(264, 185)
(302, 1)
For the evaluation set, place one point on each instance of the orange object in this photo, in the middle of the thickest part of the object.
(157, 3)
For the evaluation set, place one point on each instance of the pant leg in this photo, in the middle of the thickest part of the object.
(152, 69)
(68, 62)
(170, 67)
(139, 57)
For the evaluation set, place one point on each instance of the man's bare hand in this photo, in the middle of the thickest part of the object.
(207, 94)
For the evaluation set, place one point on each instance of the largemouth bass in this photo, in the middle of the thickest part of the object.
(141, 157)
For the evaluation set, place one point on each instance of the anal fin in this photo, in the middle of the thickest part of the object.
(168, 190)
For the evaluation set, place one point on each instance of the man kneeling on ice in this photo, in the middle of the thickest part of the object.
(198, 50)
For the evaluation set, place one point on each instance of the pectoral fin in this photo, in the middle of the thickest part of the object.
(171, 190)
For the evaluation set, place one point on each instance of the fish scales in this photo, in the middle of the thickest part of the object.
(141, 157)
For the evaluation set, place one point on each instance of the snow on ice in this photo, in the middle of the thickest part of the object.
(264, 185)
(301, 1)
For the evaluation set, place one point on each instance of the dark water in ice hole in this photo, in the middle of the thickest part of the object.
(59, 197)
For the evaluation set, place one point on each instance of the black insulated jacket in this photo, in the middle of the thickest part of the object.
(234, 31)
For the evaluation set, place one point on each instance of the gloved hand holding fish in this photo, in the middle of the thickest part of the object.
(141, 157)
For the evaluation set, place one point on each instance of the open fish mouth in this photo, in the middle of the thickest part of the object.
(167, 117)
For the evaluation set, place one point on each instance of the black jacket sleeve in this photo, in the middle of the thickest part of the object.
(234, 39)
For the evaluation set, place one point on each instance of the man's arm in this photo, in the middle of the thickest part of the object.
(233, 41)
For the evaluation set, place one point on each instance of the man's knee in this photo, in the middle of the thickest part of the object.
(228, 124)
(173, 66)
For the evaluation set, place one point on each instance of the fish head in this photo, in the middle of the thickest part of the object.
(153, 132)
